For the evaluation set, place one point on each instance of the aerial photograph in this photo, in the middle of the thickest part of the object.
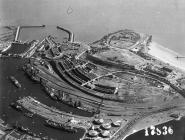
(92, 70)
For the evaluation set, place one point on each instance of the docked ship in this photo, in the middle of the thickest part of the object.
(60, 126)
(15, 82)
(31, 72)
(28, 114)
(24, 130)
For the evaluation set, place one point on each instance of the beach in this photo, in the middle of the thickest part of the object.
(167, 55)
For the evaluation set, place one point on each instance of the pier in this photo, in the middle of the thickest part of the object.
(71, 35)
(17, 33)
(50, 113)
(21, 27)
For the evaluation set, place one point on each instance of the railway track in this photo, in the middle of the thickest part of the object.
(123, 132)
(106, 106)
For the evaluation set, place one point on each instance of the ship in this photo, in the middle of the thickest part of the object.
(20, 128)
(24, 130)
(63, 127)
(112, 114)
(31, 72)
(15, 81)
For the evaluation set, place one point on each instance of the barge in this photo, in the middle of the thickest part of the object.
(15, 81)
(16, 107)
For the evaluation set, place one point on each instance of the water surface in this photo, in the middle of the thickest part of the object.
(91, 19)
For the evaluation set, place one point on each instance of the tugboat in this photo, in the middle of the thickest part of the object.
(15, 106)
(60, 126)
(15, 81)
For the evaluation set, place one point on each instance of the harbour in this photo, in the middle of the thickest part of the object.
(30, 104)
(89, 21)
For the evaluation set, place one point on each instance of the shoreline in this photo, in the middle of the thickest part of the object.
(166, 55)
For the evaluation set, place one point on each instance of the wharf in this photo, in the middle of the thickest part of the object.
(50, 113)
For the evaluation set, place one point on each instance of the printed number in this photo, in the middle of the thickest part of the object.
(146, 132)
(158, 131)
(154, 130)
(165, 132)
(170, 130)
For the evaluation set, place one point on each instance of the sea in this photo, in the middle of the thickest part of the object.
(89, 20)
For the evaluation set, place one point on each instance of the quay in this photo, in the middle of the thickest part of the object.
(50, 113)
(71, 35)
(17, 33)
(89, 124)
(10, 133)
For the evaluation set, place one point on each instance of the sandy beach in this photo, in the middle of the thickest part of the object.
(167, 55)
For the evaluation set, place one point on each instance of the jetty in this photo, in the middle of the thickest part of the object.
(53, 114)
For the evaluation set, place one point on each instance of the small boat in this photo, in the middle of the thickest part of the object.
(30, 115)
(45, 138)
(50, 92)
(15, 81)
(174, 116)
(61, 126)
(112, 114)
(31, 133)
(21, 128)
(52, 95)
(24, 129)
(15, 106)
